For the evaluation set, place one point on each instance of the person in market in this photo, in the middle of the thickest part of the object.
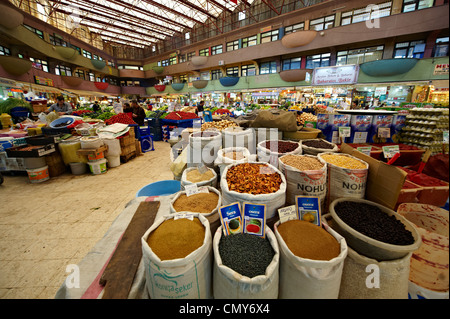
(127, 108)
(200, 108)
(96, 106)
(61, 107)
(138, 113)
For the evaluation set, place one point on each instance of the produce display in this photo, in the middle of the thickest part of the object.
(318, 144)
(247, 254)
(307, 240)
(281, 147)
(194, 176)
(302, 162)
(306, 117)
(122, 118)
(253, 179)
(219, 125)
(178, 115)
(371, 221)
(176, 238)
(203, 203)
(234, 155)
(343, 161)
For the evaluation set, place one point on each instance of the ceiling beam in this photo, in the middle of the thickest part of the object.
(164, 8)
(141, 20)
(114, 26)
(196, 8)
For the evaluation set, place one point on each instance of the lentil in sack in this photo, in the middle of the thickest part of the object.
(347, 176)
(254, 182)
(305, 175)
(186, 277)
(309, 278)
(230, 284)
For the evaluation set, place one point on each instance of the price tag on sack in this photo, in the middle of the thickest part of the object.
(202, 168)
(191, 189)
(183, 215)
(365, 149)
(344, 131)
(390, 150)
(287, 213)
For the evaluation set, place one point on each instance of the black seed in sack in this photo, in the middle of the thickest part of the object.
(248, 255)
(371, 221)
(318, 144)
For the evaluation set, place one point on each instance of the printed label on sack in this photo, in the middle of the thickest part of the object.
(231, 219)
(255, 219)
(308, 209)
(287, 213)
(390, 150)
(183, 215)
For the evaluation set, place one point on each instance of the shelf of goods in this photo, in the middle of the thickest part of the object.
(425, 127)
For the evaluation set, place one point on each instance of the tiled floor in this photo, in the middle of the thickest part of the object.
(45, 227)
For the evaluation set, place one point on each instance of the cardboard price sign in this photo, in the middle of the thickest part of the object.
(390, 151)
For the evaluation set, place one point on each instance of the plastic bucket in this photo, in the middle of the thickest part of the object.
(161, 188)
(98, 167)
(113, 161)
(113, 146)
(97, 156)
(38, 175)
(34, 162)
(78, 168)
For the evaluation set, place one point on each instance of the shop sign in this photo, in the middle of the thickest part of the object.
(43, 81)
(337, 75)
(7, 82)
(440, 69)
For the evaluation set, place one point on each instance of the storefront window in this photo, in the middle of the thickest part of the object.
(269, 36)
(40, 64)
(441, 47)
(204, 52)
(233, 71)
(291, 64)
(63, 70)
(413, 49)
(232, 45)
(248, 70)
(80, 74)
(4, 50)
(366, 13)
(294, 27)
(249, 41)
(412, 5)
(216, 74)
(358, 56)
(268, 67)
(182, 58)
(55, 40)
(322, 23)
(216, 49)
(91, 76)
(39, 33)
(318, 60)
(190, 55)
(87, 54)
(183, 78)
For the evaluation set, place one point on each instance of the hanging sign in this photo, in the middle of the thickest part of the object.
(440, 69)
(336, 75)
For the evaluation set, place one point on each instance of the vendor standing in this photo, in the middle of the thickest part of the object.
(60, 106)
(138, 113)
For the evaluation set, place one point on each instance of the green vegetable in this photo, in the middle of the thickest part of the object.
(10, 103)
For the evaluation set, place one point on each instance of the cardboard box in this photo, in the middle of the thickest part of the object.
(384, 182)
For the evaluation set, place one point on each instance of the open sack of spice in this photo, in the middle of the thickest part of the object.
(254, 182)
(177, 255)
(311, 257)
(233, 155)
(245, 266)
(205, 200)
(200, 175)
